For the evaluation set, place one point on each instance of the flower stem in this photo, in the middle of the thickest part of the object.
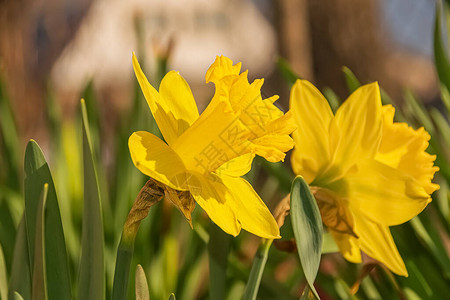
(149, 195)
(259, 262)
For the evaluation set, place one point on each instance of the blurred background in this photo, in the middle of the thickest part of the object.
(53, 52)
(62, 45)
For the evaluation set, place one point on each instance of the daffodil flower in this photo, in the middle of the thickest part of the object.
(203, 157)
(367, 173)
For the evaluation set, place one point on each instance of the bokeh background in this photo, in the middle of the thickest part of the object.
(53, 52)
(64, 44)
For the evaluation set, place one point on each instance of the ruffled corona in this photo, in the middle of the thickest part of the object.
(367, 172)
(204, 156)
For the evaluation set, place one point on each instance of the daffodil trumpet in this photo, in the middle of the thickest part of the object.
(366, 171)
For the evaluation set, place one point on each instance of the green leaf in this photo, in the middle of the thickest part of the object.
(17, 296)
(442, 62)
(286, 71)
(8, 229)
(332, 98)
(91, 281)
(141, 284)
(419, 111)
(39, 285)
(10, 142)
(20, 280)
(441, 124)
(218, 249)
(37, 173)
(3, 278)
(172, 297)
(259, 262)
(351, 80)
(308, 229)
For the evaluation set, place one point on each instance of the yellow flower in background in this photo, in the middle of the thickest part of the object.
(204, 156)
(366, 172)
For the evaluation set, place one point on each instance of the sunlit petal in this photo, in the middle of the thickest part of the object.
(215, 199)
(251, 211)
(384, 194)
(355, 132)
(156, 159)
(377, 242)
(313, 116)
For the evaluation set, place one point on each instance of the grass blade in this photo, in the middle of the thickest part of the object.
(218, 249)
(141, 284)
(37, 173)
(351, 80)
(20, 280)
(91, 281)
(308, 229)
(39, 285)
(17, 296)
(286, 71)
(259, 262)
(3, 278)
(442, 62)
(172, 297)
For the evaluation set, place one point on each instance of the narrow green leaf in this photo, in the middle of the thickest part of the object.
(218, 249)
(91, 281)
(37, 173)
(259, 262)
(442, 62)
(445, 95)
(17, 296)
(8, 229)
(307, 294)
(20, 280)
(141, 284)
(286, 71)
(10, 141)
(3, 278)
(172, 297)
(332, 98)
(351, 80)
(441, 124)
(39, 285)
(419, 111)
(308, 229)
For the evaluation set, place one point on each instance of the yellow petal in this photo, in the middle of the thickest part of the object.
(312, 115)
(156, 159)
(251, 211)
(214, 139)
(222, 67)
(348, 246)
(212, 195)
(174, 109)
(237, 167)
(177, 96)
(377, 242)
(356, 129)
(404, 148)
(384, 194)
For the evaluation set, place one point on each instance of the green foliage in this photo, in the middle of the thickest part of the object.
(308, 230)
(91, 282)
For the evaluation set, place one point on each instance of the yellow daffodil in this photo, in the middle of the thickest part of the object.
(204, 156)
(367, 173)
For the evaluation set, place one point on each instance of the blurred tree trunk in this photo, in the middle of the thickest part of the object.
(320, 37)
(33, 35)
(345, 32)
